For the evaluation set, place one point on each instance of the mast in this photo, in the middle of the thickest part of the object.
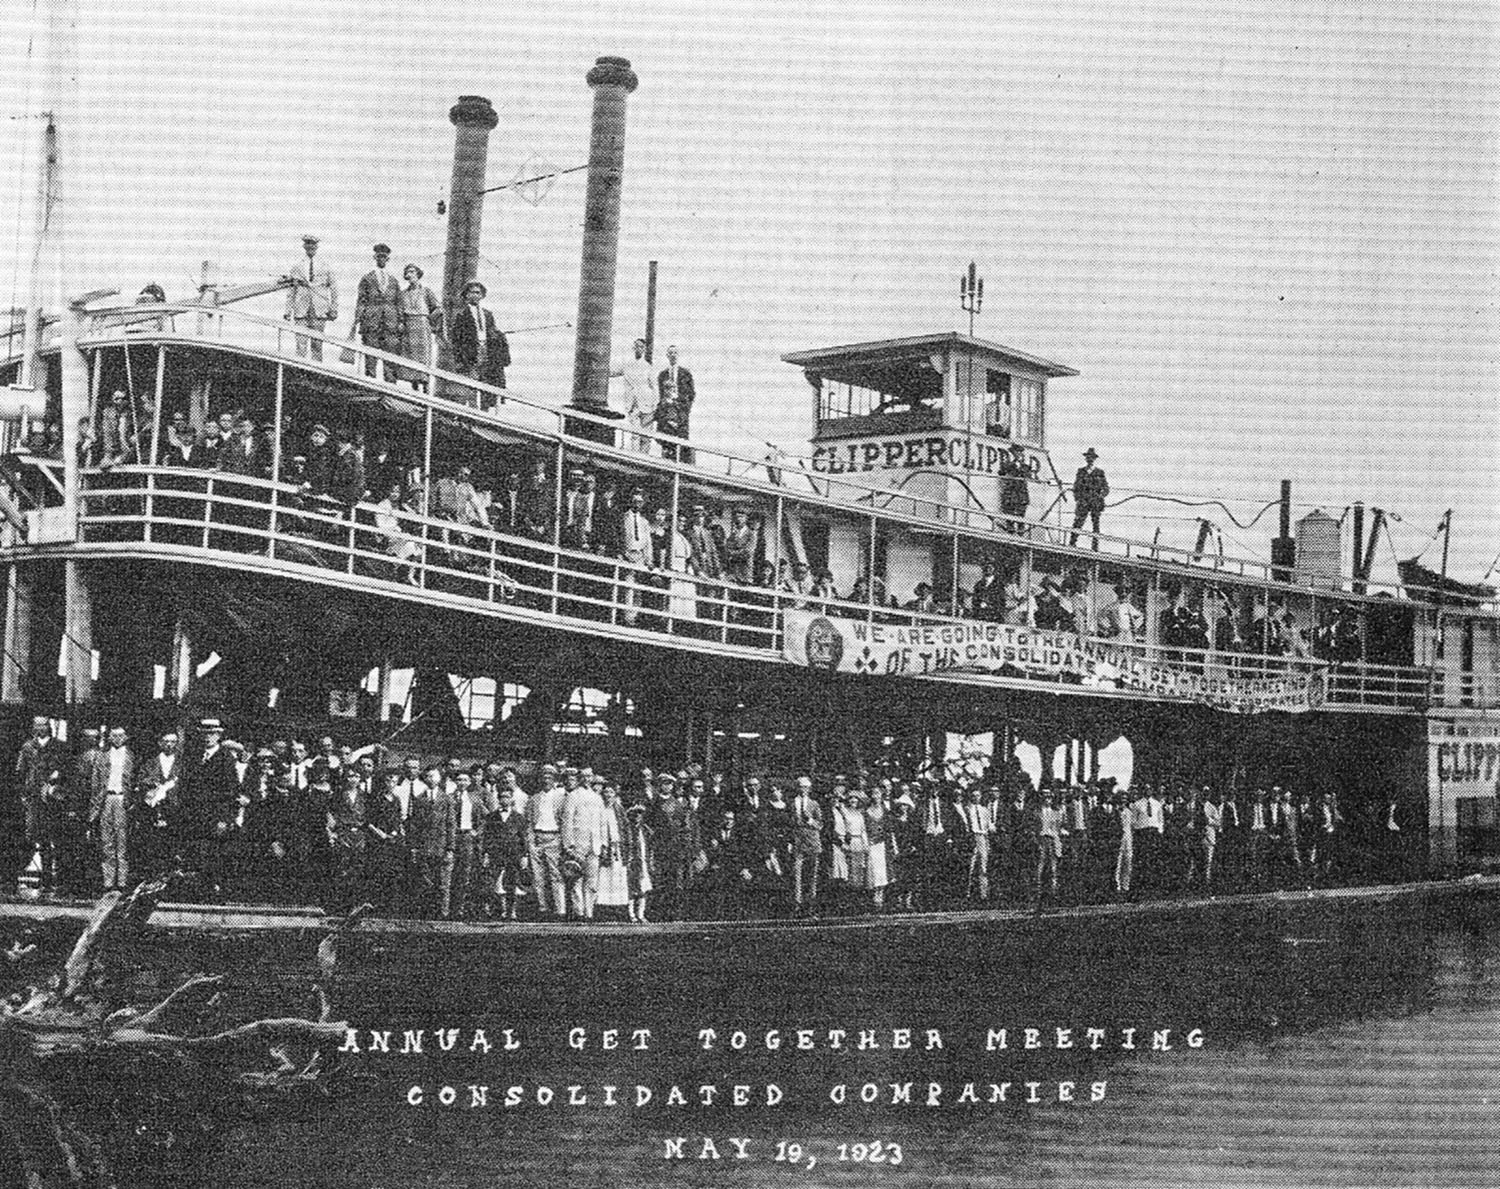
(65, 230)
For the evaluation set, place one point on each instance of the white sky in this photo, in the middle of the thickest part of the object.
(1265, 232)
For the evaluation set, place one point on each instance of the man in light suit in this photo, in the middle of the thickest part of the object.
(582, 842)
(807, 847)
(377, 310)
(313, 299)
(480, 349)
(111, 779)
(635, 548)
(544, 822)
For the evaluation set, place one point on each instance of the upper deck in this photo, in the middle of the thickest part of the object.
(921, 584)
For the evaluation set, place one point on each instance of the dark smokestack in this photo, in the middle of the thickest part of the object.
(474, 118)
(612, 80)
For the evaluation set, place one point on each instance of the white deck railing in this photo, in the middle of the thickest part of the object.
(232, 519)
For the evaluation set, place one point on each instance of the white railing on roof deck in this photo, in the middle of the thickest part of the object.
(516, 413)
(231, 519)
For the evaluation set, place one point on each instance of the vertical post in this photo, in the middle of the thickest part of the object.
(20, 591)
(1359, 546)
(672, 541)
(277, 445)
(161, 379)
(426, 486)
(182, 659)
(1025, 581)
(78, 643)
(650, 309)
(870, 582)
(31, 342)
(776, 546)
(557, 518)
(953, 600)
(383, 687)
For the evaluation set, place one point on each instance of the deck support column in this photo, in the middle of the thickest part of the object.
(20, 598)
(78, 640)
(383, 687)
(181, 675)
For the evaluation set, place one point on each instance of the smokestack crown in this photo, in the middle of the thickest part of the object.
(612, 72)
(475, 111)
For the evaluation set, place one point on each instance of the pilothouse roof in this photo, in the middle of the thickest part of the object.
(859, 363)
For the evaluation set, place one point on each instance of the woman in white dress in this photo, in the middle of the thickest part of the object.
(1125, 860)
(851, 855)
(877, 830)
(397, 542)
(614, 884)
(682, 600)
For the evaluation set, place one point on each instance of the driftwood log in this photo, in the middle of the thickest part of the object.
(164, 1070)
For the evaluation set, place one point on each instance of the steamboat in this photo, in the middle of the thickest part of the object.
(152, 595)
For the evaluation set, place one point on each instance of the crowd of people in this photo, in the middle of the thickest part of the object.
(443, 839)
(339, 476)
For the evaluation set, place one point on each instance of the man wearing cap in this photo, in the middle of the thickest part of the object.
(636, 397)
(480, 349)
(377, 310)
(111, 777)
(313, 299)
(1015, 489)
(40, 756)
(674, 406)
(1090, 488)
(544, 821)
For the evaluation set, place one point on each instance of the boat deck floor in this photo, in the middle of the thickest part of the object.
(251, 917)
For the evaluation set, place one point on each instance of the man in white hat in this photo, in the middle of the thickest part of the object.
(313, 299)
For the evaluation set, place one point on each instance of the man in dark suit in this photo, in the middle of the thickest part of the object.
(377, 309)
(1090, 488)
(480, 350)
(346, 838)
(39, 759)
(674, 406)
(431, 836)
(155, 808)
(77, 854)
(211, 806)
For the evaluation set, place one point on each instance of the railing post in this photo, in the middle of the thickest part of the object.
(150, 508)
(557, 518)
(208, 508)
(350, 567)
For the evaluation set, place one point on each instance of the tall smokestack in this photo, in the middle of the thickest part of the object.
(612, 80)
(474, 118)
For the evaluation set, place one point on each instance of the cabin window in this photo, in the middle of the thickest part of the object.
(1028, 399)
